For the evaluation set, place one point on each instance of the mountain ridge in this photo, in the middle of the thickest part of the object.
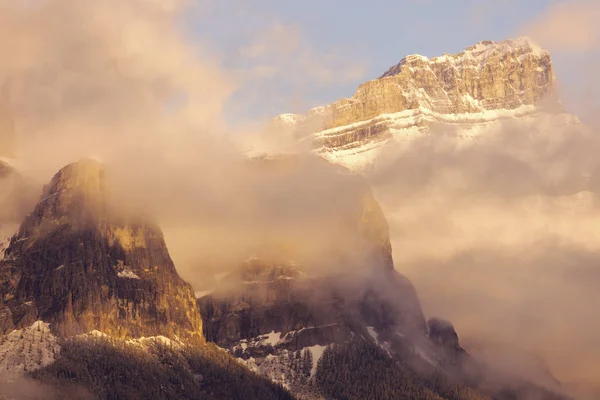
(467, 94)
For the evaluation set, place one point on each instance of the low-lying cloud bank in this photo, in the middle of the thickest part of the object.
(501, 236)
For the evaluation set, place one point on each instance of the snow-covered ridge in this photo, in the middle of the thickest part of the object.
(28, 349)
(411, 117)
(405, 127)
(477, 54)
(288, 118)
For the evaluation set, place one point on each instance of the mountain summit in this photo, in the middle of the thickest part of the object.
(77, 264)
(468, 93)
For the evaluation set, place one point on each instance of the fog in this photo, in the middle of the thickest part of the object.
(499, 236)
(22, 388)
(123, 82)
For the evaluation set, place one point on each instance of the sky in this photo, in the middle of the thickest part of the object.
(296, 55)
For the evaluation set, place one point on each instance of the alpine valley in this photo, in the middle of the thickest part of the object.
(94, 307)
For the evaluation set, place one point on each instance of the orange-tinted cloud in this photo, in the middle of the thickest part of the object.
(570, 26)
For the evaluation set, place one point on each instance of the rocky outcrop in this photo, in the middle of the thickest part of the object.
(443, 333)
(306, 310)
(80, 265)
(487, 76)
(278, 316)
(317, 301)
(471, 90)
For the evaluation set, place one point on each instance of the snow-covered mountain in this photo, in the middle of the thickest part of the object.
(469, 95)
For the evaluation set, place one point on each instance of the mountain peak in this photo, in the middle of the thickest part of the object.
(99, 270)
(468, 93)
(477, 55)
(84, 175)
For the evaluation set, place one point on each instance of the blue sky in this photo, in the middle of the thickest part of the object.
(293, 55)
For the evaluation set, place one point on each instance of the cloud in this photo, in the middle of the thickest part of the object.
(123, 81)
(22, 388)
(500, 235)
(568, 26)
(89, 75)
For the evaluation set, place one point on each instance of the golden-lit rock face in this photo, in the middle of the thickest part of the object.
(487, 76)
(485, 82)
(81, 268)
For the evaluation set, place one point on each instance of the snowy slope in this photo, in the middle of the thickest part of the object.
(466, 129)
(28, 349)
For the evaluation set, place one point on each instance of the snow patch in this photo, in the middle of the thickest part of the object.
(201, 293)
(317, 352)
(406, 126)
(421, 353)
(28, 349)
(387, 347)
(127, 273)
(408, 118)
(144, 342)
(289, 118)
(272, 338)
(373, 334)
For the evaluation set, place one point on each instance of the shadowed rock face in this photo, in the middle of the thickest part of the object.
(317, 305)
(81, 266)
(308, 309)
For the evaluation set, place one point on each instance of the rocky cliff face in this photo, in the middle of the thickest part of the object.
(80, 266)
(305, 309)
(274, 291)
(487, 76)
(269, 309)
(471, 90)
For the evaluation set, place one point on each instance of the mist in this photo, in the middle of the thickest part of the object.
(499, 236)
(23, 388)
(125, 83)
